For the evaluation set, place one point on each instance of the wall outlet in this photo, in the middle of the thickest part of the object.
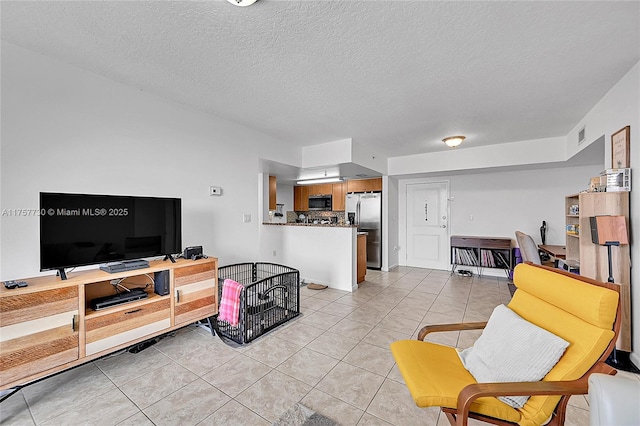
(246, 218)
(215, 190)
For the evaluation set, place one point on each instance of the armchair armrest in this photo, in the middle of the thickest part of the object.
(478, 390)
(460, 326)
(613, 401)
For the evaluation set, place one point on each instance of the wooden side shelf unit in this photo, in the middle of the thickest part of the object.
(49, 326)
(592, 258)
(482, 252)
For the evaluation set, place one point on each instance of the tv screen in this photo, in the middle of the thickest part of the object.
(83, 229)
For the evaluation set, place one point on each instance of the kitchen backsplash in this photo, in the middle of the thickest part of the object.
(293, 217)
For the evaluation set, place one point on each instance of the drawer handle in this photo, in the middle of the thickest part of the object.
(134, 311)
(177, 296)
(73, 322)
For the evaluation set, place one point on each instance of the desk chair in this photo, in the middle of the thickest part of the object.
(528, 248)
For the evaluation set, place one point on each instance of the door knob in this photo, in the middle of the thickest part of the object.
(443, 226)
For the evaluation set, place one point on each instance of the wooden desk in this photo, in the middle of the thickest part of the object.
(559, 252)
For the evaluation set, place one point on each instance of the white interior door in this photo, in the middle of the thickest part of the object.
(427, 225)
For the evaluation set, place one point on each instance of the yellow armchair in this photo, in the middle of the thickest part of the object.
(582, 311)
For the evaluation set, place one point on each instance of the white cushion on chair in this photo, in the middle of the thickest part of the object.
(613, 401)
(511, 349)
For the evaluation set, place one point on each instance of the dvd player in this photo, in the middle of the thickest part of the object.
(118, 299)
(125, 265)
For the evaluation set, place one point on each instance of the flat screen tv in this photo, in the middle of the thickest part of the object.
(84, 229)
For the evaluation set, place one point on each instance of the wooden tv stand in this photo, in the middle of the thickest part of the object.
(49, 325)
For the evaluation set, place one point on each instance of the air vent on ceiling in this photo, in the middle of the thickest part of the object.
(361, 175)
(581, 135)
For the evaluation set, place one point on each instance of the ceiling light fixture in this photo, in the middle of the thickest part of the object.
(453, 141)
(242, 3)
(320, 180)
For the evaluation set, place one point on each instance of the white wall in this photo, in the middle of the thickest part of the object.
(521, 153)
(499, 203)
(342, 151)
(284, 195)
(67, 130)
(504, 202)
(323, 255)
(390, 223)
(620, 107)
(320, 155)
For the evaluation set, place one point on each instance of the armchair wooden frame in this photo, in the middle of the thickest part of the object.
(460, 415)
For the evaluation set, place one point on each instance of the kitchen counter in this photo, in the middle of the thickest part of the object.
(324, 254)
(325, 225)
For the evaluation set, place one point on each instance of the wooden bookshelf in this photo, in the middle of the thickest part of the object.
(593, 258)
(482, 252)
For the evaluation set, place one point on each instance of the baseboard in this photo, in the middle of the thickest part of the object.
(390, 268)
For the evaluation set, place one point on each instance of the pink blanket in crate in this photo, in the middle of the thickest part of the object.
(230, 302)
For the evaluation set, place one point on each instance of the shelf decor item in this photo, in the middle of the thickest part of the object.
(620, 146)
(609, 231)
(615, 180)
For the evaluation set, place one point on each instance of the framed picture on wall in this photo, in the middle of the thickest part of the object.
(620, 143)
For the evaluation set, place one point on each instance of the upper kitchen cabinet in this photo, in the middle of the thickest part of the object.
(322, 189)
(364, 185)
(300, 198)
(338, 196)
(272, 192)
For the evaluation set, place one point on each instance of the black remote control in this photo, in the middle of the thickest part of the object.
(13, 284)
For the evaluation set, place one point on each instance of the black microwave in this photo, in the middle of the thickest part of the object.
(320, 202)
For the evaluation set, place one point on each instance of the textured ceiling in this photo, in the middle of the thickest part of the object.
(397, 76)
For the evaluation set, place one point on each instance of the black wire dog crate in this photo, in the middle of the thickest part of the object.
(271, 297)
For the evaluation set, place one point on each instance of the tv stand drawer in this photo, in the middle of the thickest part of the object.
(38, 331)
(126, 324)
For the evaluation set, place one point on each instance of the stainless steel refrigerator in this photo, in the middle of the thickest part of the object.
(365, 210)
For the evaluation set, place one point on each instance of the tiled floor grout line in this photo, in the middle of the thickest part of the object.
(347, 354)
(400, 290)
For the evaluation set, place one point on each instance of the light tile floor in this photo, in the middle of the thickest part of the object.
(334, 358)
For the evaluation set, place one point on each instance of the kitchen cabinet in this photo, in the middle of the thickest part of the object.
(338, 197)
(321, 189)
(272, 192)
(362, 257)
(301, 198)
(39, 331)
(364, 185)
